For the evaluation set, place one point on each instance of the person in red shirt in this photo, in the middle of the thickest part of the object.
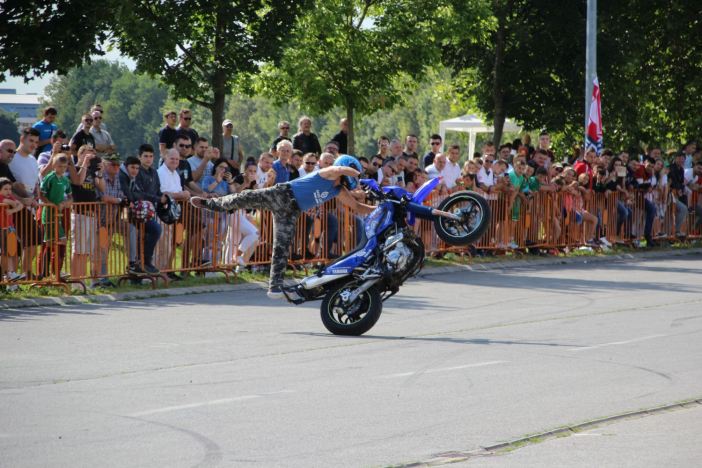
(8, 206)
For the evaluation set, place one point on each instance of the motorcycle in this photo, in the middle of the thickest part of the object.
(354, 287)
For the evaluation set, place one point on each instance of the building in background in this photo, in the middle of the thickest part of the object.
(26, 106)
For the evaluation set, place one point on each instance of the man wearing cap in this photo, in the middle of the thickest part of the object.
(168, 134)
(231, 149)
(112, 198)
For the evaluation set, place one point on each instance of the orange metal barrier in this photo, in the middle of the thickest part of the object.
(47, 246)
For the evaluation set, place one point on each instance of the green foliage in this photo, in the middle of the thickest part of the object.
(200, 48)
(8, 126)
(132, 103)
(353, 55)
(44, 36)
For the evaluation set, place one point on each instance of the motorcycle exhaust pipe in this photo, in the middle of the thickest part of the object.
(353, 295)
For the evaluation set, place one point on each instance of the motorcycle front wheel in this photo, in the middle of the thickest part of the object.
(352, 319)
(475, 218)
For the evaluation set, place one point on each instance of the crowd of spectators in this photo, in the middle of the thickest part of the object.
(48, 172)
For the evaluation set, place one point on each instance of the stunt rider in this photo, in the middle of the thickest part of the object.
(287, 200)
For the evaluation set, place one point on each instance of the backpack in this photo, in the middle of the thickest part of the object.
(169, 212)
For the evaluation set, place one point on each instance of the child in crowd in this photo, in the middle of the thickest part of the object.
(56, 196)
(8, 206)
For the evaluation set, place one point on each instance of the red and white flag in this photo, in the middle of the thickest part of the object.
(594, 125)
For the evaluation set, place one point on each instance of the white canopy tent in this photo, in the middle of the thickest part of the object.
(472, 124)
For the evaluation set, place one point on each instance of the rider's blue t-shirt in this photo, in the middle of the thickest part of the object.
(313, 190)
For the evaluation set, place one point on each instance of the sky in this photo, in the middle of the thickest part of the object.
(37, 85)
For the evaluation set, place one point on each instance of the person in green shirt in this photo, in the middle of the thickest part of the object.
(56, 196)
(520, 187)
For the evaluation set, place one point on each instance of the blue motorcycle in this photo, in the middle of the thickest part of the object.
(354, 287)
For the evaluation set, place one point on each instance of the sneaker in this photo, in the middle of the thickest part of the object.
(173, 277)
(275, 292)
(135, 269)
(152, 270)
(513, 245)
(206, 263)
(13, 276)
(103, 283)
(605, 242)
(240, 261)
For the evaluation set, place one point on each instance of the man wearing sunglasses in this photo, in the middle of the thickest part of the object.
(283, 131)
(309, 164)
(83, 136)
(103, 140)
(185, 129)
(435, 145)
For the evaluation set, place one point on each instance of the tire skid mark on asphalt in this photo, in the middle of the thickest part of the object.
(440, 369)
(616, 343)
(220, 401)
(213, 452)
(358, 341)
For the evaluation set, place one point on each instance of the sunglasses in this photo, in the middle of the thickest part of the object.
(187, 118)
(185, 146)
(11, 150)
(376, 165)
(310, 163)
(489, 161)
(97, 118)
(88, 120)
(285, 128)
(559, 169)
(434, 143)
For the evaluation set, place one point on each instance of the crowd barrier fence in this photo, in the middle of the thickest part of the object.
(90, 241)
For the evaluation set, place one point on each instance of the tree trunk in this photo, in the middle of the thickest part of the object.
(498, 92)
(220, 93)
(349, 117)
(219, 81)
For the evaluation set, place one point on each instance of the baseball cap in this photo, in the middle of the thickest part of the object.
(113, 157)
(227, 122)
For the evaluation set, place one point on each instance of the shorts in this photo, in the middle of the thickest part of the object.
(84, 233)
(51, 229)
(4, 235)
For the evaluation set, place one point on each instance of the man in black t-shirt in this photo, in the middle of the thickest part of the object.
(167, 135)
(185, 129)
(83, 136)
(435, 143)
(85, 171)
(7, 152)
(342, 136)
(284, 130)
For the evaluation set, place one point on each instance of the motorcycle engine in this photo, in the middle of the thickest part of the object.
(397, 254)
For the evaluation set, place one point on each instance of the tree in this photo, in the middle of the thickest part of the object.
(45, 36)
(356, 54)
(132, 102)
(200, 48)
(8, 126)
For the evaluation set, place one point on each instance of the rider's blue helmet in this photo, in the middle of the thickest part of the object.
(349, 161)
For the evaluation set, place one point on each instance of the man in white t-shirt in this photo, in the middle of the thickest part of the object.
(170, 179)
(309, 164)
(25, 169)
(265, 162)
(171, 184)
(452, 171)
(486, 176)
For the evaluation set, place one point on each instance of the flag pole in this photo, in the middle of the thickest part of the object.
(590, 61)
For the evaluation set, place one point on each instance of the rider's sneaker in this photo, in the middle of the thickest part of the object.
(275, 292)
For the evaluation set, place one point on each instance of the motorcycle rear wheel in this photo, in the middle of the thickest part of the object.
(353, 319)
(478, 218)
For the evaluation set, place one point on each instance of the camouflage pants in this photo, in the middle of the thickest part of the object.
(279, 200)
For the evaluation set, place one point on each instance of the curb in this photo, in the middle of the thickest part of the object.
(520, 264)
(431, 271)
(460, 456)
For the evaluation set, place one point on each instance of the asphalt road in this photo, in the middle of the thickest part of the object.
(456, 361)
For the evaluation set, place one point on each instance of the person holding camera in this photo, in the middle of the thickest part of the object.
(59, 144)
(86, 180)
